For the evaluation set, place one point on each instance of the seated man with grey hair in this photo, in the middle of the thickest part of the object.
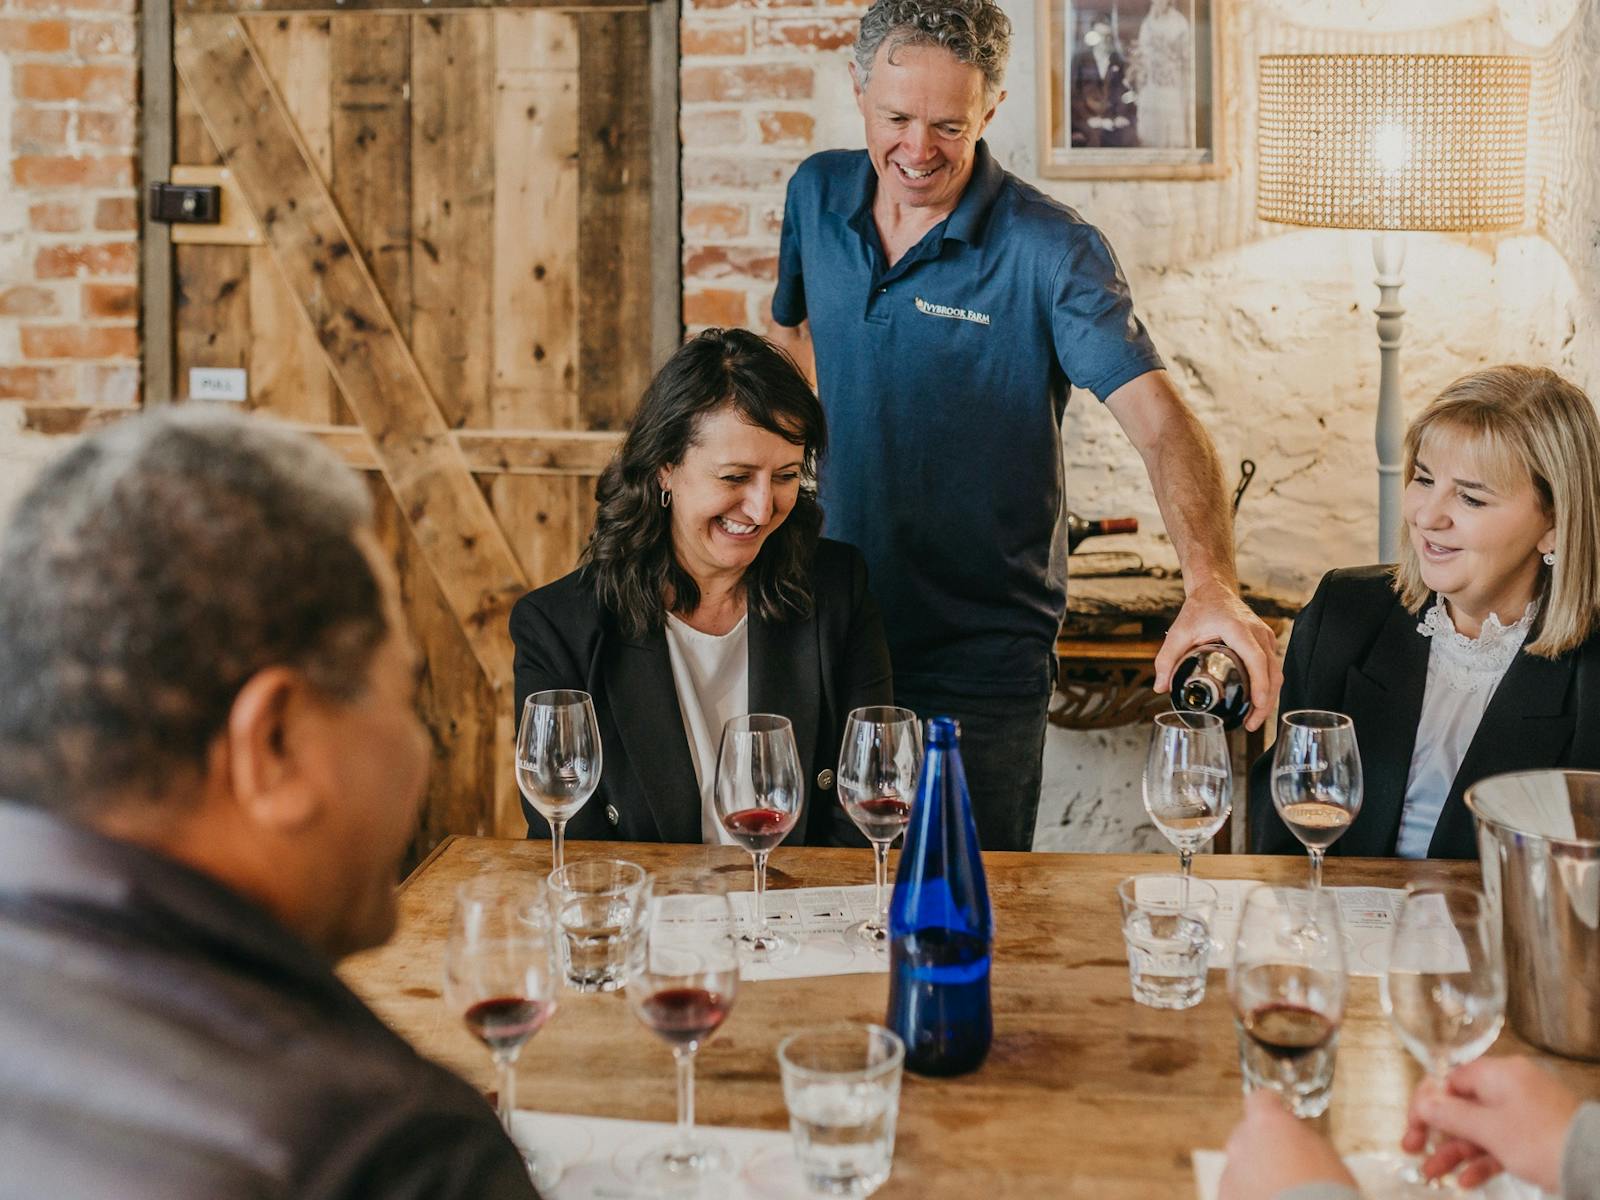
(210, 769)
(946, 309)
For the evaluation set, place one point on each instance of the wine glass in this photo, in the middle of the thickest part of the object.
(759, 791)
(1287, 984)
(1188, 780)
(1316, 779)
(1444, 990)
(558, 759)
(878, 763)
(500, 974)
(682, 991)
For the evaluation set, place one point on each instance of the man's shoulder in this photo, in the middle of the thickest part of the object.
(829, 178)
(1030, 213)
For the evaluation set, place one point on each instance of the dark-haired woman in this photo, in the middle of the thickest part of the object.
(706, 592)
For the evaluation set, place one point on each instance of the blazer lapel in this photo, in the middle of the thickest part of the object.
(1383, 696)
(784, 679)
(644, 704)
(1526, 726)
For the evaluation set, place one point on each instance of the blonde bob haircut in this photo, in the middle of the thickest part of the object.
(1526, 423)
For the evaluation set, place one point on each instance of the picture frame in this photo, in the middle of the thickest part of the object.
(1130, 89)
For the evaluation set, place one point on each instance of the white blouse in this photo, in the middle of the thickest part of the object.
(711, 673)
(1463, 673)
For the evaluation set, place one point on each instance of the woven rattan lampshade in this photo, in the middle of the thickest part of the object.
(1392, 141)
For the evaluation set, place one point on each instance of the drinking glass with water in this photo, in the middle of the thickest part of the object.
(1166, 924)
(601, 908)
(841, 1084)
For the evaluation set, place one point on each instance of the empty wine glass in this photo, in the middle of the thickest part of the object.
(1188, 780)
(500, 974)
(1316, 779)
(558, 759)
(759, 792)
(682, 991)
(1444, 990)
(878, 763)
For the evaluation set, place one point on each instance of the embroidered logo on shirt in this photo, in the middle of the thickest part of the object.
(957, 314)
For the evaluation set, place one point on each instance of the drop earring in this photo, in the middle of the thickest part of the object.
(666, 499)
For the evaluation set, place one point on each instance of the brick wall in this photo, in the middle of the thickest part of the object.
(759, 79)
(68, 221)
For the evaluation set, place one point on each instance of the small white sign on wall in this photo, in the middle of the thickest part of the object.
(218, 383)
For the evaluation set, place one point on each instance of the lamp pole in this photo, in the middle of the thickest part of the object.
(1389, 256)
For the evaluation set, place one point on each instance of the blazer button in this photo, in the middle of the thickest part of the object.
(613, 815)
(824, 779)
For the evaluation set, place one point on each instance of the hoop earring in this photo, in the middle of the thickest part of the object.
(1549, 558)
(666, 498)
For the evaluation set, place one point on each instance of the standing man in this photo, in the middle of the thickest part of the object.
(946, 309)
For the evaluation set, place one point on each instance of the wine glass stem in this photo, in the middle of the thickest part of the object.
(506, 1088)
(1185, 862)
(685, 1060)
(760, 858)
(1316, 868)
(558, 844)
(880, 862)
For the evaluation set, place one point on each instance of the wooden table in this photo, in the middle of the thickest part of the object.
(1085, 1093)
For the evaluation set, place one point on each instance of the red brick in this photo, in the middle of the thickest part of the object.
(101, 258)
(39, 130)
(23, 36)
(57, 420)
(701, 173)
(116, 212)
(716, 220)
(36, 383)
(762, 82)
(787, 128)
(730, 262)
(27, 301)
(713, 39)
(56, 216)
(826, 33)
(104, 39)
(78, 341)
(717, 127)
(771, 220)
(41, 172)
(715, 306)
(712, 4)
(99, 128)
(112, 383)
(110, 300)
(105, 84)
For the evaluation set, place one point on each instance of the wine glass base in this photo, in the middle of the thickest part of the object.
(767, 946)
(677, 1167)
(871, 933)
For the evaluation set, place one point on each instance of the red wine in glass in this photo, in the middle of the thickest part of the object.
(685, 1016)
(1287, 1032)
(881, 817)
(759, 829)
(504, 1022)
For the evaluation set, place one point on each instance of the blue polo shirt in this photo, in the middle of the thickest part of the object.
(945, 378)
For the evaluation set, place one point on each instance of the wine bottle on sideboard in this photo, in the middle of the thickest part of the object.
(1212, 679)
(1080, 528)
(941, 933)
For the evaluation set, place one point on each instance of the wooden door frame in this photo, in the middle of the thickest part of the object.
(157, 141)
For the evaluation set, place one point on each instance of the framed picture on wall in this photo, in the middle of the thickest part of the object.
(1129, 89)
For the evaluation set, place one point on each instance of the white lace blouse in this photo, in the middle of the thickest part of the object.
(1463, 673)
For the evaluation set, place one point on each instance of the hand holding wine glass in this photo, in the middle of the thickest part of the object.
(682, 992)
(500, 974)
(1188, 780)
(758, 796)
(558, 759)
(1316, 779)
(878, 763)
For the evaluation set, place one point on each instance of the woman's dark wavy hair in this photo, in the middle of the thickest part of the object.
(629, 557)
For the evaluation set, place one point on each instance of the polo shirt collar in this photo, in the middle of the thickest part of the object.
(965, 224)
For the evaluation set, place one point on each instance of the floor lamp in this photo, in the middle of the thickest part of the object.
(1388, 143)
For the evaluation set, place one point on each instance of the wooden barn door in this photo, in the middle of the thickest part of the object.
(439, 260)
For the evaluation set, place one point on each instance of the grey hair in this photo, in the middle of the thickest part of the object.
(975, 31)
(147, 575)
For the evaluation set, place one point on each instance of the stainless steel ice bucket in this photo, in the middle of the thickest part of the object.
(1539, 839)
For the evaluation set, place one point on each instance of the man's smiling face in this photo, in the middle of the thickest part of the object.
(924, 111)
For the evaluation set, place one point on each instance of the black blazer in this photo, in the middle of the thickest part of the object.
(1355, 650)
(813, 671)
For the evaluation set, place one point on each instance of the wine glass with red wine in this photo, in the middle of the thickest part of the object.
(758, 795)
(682, 992)
(1287, 984)
(500, 974)
(878, 763)
(1316, 779)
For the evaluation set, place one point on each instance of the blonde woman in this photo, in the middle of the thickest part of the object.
(1478, 652)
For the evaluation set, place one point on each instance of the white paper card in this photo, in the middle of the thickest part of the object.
(1366, 913)
(218, 383)
(821, 919)
(1379, 1176)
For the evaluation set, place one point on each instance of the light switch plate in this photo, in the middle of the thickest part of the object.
(218, 383)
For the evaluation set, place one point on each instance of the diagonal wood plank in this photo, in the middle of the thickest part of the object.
(455, 529)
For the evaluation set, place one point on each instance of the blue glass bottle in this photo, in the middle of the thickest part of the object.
(940, 930)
